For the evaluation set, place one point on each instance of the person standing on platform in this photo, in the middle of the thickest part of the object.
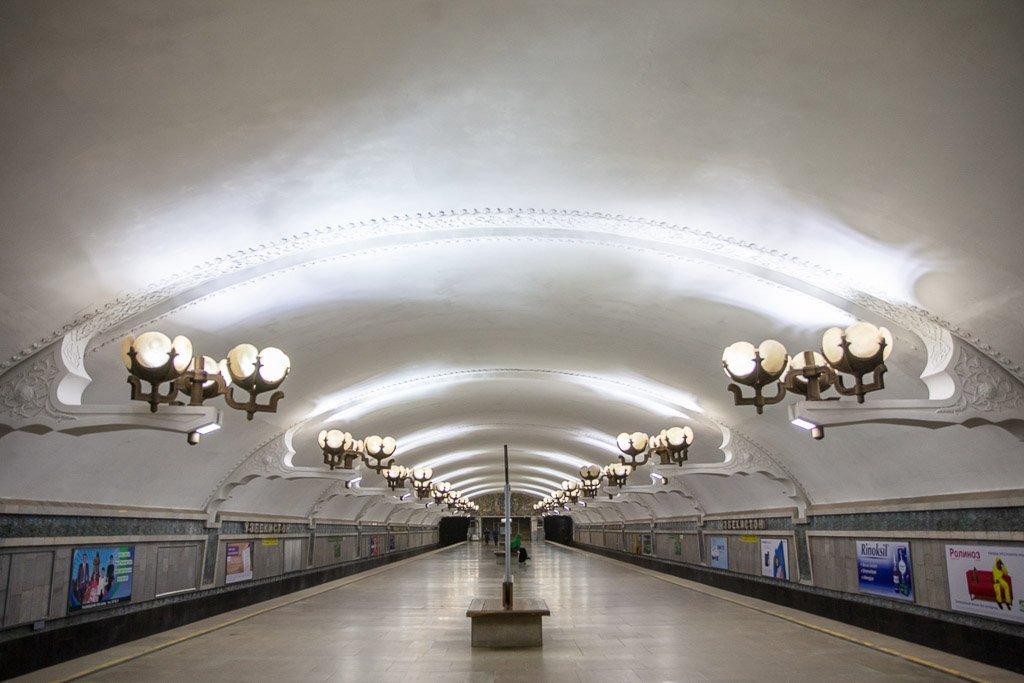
(487, 536)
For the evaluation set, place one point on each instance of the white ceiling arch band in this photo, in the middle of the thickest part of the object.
(117, 313)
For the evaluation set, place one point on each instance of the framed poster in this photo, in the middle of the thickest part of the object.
(981, 580)
(718, 552)
(646, 546)
(238, 565)
(774, 552)
(100, 576)
(883, 568)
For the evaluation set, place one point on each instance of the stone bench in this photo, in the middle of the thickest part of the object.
(499, 556)
(520, 626)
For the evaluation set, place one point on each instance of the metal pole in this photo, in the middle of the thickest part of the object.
(506, 587)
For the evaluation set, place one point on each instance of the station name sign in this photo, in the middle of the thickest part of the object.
(265, 527)
(744, 524)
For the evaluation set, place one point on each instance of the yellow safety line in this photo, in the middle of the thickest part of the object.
(335, 585)
(683, 583)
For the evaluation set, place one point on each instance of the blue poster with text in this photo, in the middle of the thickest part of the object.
(883, 568)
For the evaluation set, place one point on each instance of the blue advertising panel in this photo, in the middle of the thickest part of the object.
(883, 568)
(100, 576)
(718, 552)
(774, 558)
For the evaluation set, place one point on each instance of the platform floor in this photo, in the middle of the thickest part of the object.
(609, 621)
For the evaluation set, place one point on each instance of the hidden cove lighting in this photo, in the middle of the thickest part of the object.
(816, 430)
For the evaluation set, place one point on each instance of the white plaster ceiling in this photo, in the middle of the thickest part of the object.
(663, 179)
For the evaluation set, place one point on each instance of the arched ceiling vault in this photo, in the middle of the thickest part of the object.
(724, 175)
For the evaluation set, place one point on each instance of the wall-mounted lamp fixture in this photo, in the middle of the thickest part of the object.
(591, 476)
(572, 489)
(859, 350)
(617, 472)
(396, 476)
(439, 490)
(421, 481)
(341, 450)
(671, 445)
(257, 372)
(156, 359)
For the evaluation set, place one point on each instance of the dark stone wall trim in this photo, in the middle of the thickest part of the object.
(50, 526)
(995, 643)
(60, 641)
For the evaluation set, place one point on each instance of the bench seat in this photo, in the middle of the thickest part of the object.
(520, 626)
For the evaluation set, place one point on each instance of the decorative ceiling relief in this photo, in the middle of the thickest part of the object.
(745, 456)
(44, 395)
(311, 246)
(975, 391)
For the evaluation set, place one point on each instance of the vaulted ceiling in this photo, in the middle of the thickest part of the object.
(528, 223)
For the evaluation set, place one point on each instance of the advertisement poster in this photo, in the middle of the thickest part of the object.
(883, 568)
(774, 552)
(981, 580)
(238, 566)
(373, 546)
(645, 544)
(100, 576)
(718, 552)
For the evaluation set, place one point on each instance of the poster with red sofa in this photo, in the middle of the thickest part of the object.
(982, 580)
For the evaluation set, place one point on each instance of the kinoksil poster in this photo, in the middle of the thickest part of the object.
(718, 552)
(981, 580)
(100, 576)
(238, 565)
(774, 552)
(883, 568)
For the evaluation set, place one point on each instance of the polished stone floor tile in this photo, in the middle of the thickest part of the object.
(610, 622)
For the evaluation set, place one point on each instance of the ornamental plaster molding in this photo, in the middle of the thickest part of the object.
(271, 460)
(744, 456)
(970, 390)
(115, 314)
(984, 386)
(677, 488)
(44, 394)
(27, 392)
(333, 490)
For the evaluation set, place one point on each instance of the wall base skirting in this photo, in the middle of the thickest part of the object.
(995, 643)
(23, 651)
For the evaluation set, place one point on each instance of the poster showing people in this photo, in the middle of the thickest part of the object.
(100, 576)
(883, 568)
(718, 552)
(774, 552)
(238, 564)
(981, 580)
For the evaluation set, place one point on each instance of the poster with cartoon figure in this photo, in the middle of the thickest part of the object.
(981, 580)
(883, 568)
(774, 554)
